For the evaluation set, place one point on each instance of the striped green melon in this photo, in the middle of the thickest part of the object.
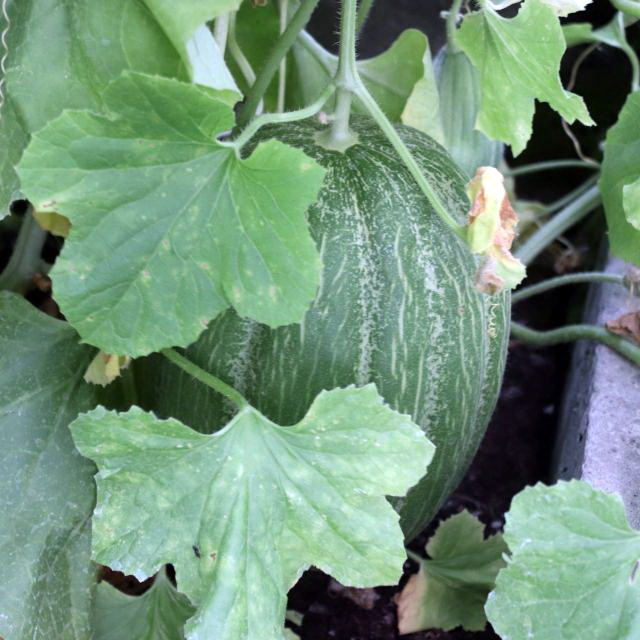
(396, 306)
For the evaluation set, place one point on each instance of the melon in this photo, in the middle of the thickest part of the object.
(397, 306)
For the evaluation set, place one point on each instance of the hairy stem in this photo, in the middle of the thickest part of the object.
(340, 137)
(572, 278)
(452, 20)
(206, 378)
(550, 165)
(282, 72)
(272, 62)
(25, 260)
(555, 227)
(574, 332)
(221, 31)
(275, 118)
(363, 13)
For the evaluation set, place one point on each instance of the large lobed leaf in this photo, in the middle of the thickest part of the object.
(90, 43)
(243, 512)
(620, 182)
(169, 228)
(573, 570)
(46, 492)
(519, 61)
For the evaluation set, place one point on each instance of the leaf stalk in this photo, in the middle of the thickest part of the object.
(272, 63)
(276, 118)
(206, 378)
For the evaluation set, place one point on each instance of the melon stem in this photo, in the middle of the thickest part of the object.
(339, 136)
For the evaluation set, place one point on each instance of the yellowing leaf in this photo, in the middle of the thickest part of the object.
(105, 368)
(53, 222)
(452, 586)
(491, 232)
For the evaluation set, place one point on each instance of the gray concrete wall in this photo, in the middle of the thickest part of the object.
(599, 437)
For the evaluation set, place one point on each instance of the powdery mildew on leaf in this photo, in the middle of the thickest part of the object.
(168, 227)
(519, 61)
(241, 513)
(573, 569)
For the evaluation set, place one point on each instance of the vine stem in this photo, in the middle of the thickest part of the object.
(452, 20)
(412, 555)
(206, 378)
(567, 199)
(241, 60)
(550, 165)
(275, 118)
(407, 157)
(363, 13)
(221, 32)
(629, 7)
(272, 62)
(572, 278)
(282, 72)
(574, 332)
(566, 218)
(25, 259)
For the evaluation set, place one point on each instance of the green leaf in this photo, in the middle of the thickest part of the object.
(401, 79)
(618, 182)
(519, 61)
(169, 227)
(13, 139)
(184, 24)
(158, 614)
(631, 204)
(573, 569)
(243, 512)
(451, 588)
(181, 19)
(86, 45)
(46, 493)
